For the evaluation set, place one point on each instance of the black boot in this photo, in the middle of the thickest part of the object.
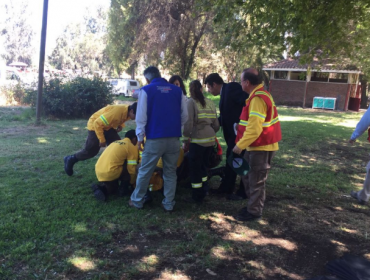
(100, 192)
(124, 188)
(69, 161)
(219, 171)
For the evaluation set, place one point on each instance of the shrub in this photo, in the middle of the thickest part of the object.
(76, 98)
(12, 94)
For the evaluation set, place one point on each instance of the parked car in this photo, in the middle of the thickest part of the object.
(124, 86)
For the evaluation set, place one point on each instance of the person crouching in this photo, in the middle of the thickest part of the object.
(116, 167)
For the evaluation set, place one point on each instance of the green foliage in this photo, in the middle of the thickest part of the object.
(324, 29)
(79, 97)
(12, 94)
(16, 31)
(83, 45)
(166, 33)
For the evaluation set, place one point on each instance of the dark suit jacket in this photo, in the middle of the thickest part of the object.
(232, 101)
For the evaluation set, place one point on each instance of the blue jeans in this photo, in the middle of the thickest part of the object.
(168, 149)
(364, 194)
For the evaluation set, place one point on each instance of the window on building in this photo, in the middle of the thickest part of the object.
(282, 75)
(268, 73)
(298, 75)
(338, 78)
(319, 77)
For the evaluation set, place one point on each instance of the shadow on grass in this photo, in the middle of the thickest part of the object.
(52, 226)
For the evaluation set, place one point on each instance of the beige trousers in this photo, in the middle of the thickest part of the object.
(255, 181)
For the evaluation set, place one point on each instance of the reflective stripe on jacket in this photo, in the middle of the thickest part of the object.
(202, 123)
(110, 164)
(106, 118)
(271, 131)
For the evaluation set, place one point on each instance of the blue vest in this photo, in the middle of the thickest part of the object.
(163, 109)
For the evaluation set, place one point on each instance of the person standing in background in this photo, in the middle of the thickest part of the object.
(363, 195)
(232, 101)
(177, 81)
(199, 138)
(258, 133)
(161, 113)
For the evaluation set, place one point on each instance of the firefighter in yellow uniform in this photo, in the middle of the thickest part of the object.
(259, 133)
(116, 167)
(103, 127)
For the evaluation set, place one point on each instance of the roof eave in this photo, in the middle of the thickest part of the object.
(313, 70)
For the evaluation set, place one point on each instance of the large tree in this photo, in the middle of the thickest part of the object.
(313, 28)
(161, 32)
(16, 32)
(83, 45)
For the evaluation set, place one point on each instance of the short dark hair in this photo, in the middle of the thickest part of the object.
(214, 78)
(151, 73)
(133, 106)
(252, 78)
(131, 134)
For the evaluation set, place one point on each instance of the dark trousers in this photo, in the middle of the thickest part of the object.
(198, 161)
(92, 147)
(111, 187)
(228, 182)
(255, 181)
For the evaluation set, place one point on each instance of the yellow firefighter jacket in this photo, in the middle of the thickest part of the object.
(106, 118)
(110, 164)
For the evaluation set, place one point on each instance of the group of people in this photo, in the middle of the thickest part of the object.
(165, 116)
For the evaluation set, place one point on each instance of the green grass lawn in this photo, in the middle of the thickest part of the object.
(51, 226)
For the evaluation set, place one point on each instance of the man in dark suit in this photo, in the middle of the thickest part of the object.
(232, 101)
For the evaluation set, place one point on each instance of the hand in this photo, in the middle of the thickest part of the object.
(185, 146)
(103, 144)
(351, 141)
(119, 128)
(237, 150)
(140, 145)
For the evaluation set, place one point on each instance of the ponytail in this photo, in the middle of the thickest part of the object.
(196, 92)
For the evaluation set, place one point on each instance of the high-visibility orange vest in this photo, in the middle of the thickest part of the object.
(271, 131)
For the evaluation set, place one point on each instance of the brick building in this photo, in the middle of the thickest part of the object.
(293, 85)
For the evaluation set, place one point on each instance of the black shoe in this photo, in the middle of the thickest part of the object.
(219, 171)
(359, 200)
(246, 216)
(124, 189)
(69, 161)
(243, 210)
(192, 200)
(94, 187)
(218, 191)
(234, 197)
(99, 195)
(148, 199)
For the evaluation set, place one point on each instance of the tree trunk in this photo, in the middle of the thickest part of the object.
(194, 48)
(133, 73)
(364, 96)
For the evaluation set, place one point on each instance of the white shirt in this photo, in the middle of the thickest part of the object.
(141, 114)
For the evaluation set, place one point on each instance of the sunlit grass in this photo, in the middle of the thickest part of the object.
(83, 264)
(52, 227)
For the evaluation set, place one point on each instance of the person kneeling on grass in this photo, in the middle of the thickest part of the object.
(103, 127)
(115, 167)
